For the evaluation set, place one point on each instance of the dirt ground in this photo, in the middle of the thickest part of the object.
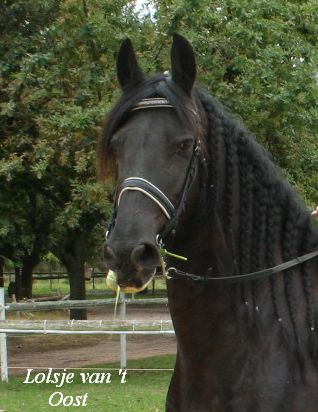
(47, 351)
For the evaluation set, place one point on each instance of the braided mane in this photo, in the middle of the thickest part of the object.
(264, 221)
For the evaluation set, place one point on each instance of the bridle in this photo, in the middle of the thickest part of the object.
(150, 190)
(173, 213)
(247, 277)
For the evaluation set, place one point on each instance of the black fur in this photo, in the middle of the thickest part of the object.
(245, 218)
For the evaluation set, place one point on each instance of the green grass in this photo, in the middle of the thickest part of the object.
(55, 286)
(144, 390)
(61, 287)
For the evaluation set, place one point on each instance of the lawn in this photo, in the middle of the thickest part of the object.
(144, 390)
(97, 290)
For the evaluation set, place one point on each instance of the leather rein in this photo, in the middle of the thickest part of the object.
(173, 213)
(247, 277)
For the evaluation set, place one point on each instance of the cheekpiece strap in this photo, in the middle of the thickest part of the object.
(155, 102)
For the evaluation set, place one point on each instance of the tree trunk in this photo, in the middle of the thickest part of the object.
(18, 282)
(75, 270)
(73, 259)
(27, 280)
(72, 253)
(28, 263)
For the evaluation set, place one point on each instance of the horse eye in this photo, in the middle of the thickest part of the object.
(185, 145)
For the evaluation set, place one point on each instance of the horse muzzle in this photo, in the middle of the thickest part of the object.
(131, 270)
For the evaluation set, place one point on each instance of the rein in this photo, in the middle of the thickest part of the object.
(176, 273)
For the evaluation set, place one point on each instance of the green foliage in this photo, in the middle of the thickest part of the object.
(57, 81)
(54, 94)
(260, 59)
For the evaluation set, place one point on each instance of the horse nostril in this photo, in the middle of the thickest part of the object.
(145, 256)
(109, 256)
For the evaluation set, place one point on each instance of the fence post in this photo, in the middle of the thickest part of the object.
(50, 273)
(3, 342)
(123, 353)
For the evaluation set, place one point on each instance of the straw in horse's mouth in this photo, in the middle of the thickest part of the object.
(111, 282)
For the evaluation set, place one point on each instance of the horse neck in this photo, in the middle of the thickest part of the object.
(261, 223)
(243, 216)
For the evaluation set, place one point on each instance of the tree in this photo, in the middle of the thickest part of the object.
(54, 96)
(261, 61)
(22, 229)
(58, 81)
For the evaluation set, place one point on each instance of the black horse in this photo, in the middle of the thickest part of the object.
(190, 176)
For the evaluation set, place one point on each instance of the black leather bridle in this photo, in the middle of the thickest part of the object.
(247, 277)
(147, 188)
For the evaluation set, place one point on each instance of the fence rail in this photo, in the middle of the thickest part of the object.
(110, 326)
(122, 327)
(56, 275)
(77, 304)
(88, 327)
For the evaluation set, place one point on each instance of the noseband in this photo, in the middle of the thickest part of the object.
(148, 189)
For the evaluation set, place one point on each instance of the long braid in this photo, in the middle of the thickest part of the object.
(307, 279)
(215, 133)
(260, 200)
(308, 287)
(290, 251)
(246, 212)
(271, 225)
(231, 185)
(273, 229)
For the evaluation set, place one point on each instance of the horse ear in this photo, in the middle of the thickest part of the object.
(183, 63)
(128, 71)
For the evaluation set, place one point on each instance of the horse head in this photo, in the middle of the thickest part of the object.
(151, 140)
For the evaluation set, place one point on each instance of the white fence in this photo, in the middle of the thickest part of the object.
(3, 342)
(122, 327)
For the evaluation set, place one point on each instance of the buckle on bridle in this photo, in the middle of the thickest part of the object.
(197, 148)
(159, 241)
(171, 270)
